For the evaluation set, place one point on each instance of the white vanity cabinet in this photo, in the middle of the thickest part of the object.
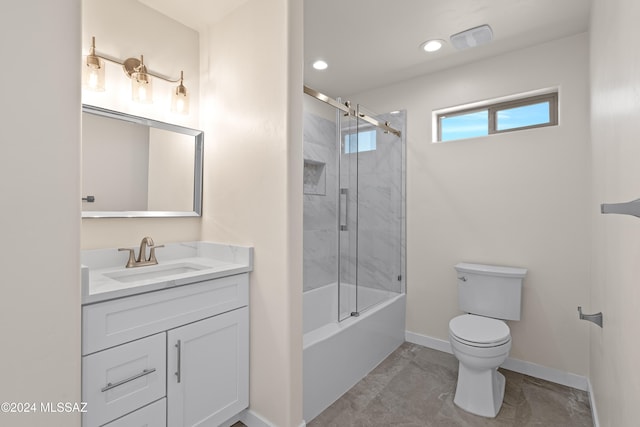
(176, 357)
(202, 393)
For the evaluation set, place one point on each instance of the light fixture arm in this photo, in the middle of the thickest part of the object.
(129, 66)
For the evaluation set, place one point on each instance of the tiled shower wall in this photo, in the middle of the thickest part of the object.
(375, 179)
(320, 208)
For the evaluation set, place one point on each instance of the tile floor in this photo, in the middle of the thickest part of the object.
(414, 387)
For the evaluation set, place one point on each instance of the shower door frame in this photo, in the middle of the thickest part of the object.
(348, 231)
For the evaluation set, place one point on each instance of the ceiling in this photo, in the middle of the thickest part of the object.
(197, 14)
(372, 43)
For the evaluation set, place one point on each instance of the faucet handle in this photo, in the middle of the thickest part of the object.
(152, 253)
(131, 262)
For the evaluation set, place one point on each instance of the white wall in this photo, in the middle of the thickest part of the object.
(518, 198)
(40, 215)
(615, 127)
(252, 111)
(123, 29)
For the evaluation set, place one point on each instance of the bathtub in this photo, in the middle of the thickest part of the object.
(339, 354)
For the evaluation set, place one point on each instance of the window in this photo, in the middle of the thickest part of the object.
(362, 141)
(524, 113)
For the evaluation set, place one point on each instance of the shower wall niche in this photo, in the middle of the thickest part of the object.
(315, 178)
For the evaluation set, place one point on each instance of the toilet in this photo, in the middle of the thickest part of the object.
(480, 339)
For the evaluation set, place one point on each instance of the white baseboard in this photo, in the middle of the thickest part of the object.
(427, 341)
(528, 368)
(252, 419)
(592, 403)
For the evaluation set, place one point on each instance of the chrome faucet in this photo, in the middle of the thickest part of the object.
(142, 260)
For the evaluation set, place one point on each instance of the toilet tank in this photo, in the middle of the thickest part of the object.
(489, 290)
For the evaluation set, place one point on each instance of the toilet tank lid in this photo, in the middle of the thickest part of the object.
(490, 270)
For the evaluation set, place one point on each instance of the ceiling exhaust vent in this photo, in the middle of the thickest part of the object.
(472, 37)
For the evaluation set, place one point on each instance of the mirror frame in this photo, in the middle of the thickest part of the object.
(198, 137)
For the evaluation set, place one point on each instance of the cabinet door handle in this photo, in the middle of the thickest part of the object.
(178, 373)
(145, 372)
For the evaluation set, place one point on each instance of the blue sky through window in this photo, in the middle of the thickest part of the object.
(527, 115)
(465, 125)
(476, 123)
(364, 141)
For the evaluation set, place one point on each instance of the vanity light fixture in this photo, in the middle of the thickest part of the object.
(141, 81)
(180, 98)
(93, 70)
(141, 84)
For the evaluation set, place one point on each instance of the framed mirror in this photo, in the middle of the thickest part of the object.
(137, 167)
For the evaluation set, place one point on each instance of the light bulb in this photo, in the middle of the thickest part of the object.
(93, 73)
(142, 94)
(320, 65)
(141, 88)
(93, 70)
(180, 98)
(432, 45)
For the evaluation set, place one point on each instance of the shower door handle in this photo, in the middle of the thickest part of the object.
(343, 224)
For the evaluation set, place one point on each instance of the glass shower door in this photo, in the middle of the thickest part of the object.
(370, 211)
(347, 215)
(379, 221)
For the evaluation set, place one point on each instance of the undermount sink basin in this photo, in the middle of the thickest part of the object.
(153, 272)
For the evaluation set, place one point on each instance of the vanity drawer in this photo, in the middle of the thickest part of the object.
(111, 323)
(154, 415)
(122, 379)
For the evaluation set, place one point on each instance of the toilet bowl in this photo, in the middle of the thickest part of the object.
(480, 340)
(481, 345)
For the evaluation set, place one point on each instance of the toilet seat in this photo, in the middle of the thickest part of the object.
(479, 331)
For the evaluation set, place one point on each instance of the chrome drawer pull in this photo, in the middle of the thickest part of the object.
(109, 386)
(179, 371)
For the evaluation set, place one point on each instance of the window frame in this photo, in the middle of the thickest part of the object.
(494, 108)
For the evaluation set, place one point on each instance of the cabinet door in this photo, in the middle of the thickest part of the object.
(208, 370)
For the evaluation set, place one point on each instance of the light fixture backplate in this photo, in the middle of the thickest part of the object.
(130, 65)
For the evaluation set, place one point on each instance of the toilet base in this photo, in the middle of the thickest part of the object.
(480, 392)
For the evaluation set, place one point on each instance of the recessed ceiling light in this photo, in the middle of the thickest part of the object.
(432, 45)
(320, 65)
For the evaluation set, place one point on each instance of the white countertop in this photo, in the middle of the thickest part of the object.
(213, 260)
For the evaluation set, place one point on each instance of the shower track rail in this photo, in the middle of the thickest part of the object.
(346, 108)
